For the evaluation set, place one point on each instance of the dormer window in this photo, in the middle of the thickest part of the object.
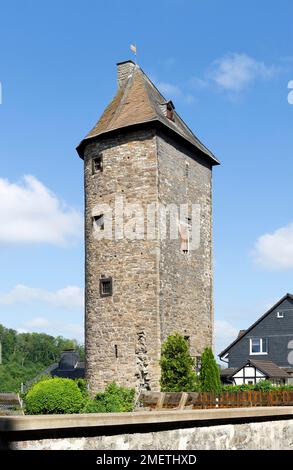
(97, 164)
(170, 110)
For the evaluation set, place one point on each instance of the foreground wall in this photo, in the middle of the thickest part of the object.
(246, 428)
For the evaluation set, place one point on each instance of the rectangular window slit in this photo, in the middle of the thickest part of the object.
(97, 164)
(106, 286)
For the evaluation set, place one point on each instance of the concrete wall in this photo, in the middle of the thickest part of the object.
(246, 428)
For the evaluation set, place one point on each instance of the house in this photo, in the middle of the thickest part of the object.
(264, 350)
(69, 367)
(143, 287)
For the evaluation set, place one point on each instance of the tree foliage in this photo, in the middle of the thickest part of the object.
(209, 373)
(24, 355)
(54, 396)
(177, 366)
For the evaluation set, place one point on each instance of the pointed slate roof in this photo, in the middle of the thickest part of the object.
(138, 101)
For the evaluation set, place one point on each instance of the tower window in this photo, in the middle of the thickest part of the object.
(116, 350)
(97, 163)
(106, 286)
(187, 169)
(98, 222)
(170, 110)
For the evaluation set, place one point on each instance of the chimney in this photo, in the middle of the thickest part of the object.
(124, 71)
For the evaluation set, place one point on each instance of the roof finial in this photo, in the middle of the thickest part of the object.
(133, 49)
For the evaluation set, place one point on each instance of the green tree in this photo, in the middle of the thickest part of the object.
(25, 355)
(177, 366)
(209, 373)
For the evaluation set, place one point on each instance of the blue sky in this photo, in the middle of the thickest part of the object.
(226, 65)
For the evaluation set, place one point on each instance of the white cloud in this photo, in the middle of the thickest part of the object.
(234, 72)
(54, 328)
(171, 91)
(275, 250)
(31, 213)
(225, 333)
(198, 83)
(70, 297)
(38, 322)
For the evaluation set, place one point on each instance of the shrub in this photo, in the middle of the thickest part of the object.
(82, 385)
(209, 373)
(177, 366)
(54, 395)
(114, 399)
(264, 386)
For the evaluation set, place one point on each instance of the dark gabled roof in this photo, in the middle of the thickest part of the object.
(139, 102)
(287, 296)
(227, 372)
(269, 368)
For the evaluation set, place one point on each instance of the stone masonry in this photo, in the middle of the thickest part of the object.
(157, 288)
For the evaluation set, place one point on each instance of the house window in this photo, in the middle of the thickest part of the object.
(280, 314)
(258, 345)
(98, 222)
(97, 163)
(106, 286)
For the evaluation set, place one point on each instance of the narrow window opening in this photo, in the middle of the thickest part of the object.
(116, 351)
(106, 286)
(185, 233)
(97, 164)
(187, 169)
(98, 222)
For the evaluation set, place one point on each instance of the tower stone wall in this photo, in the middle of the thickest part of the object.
(122, 330)
(186, 289)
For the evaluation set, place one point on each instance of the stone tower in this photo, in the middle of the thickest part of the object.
(139, 290)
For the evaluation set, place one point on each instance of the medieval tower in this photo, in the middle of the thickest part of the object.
(140, 290)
